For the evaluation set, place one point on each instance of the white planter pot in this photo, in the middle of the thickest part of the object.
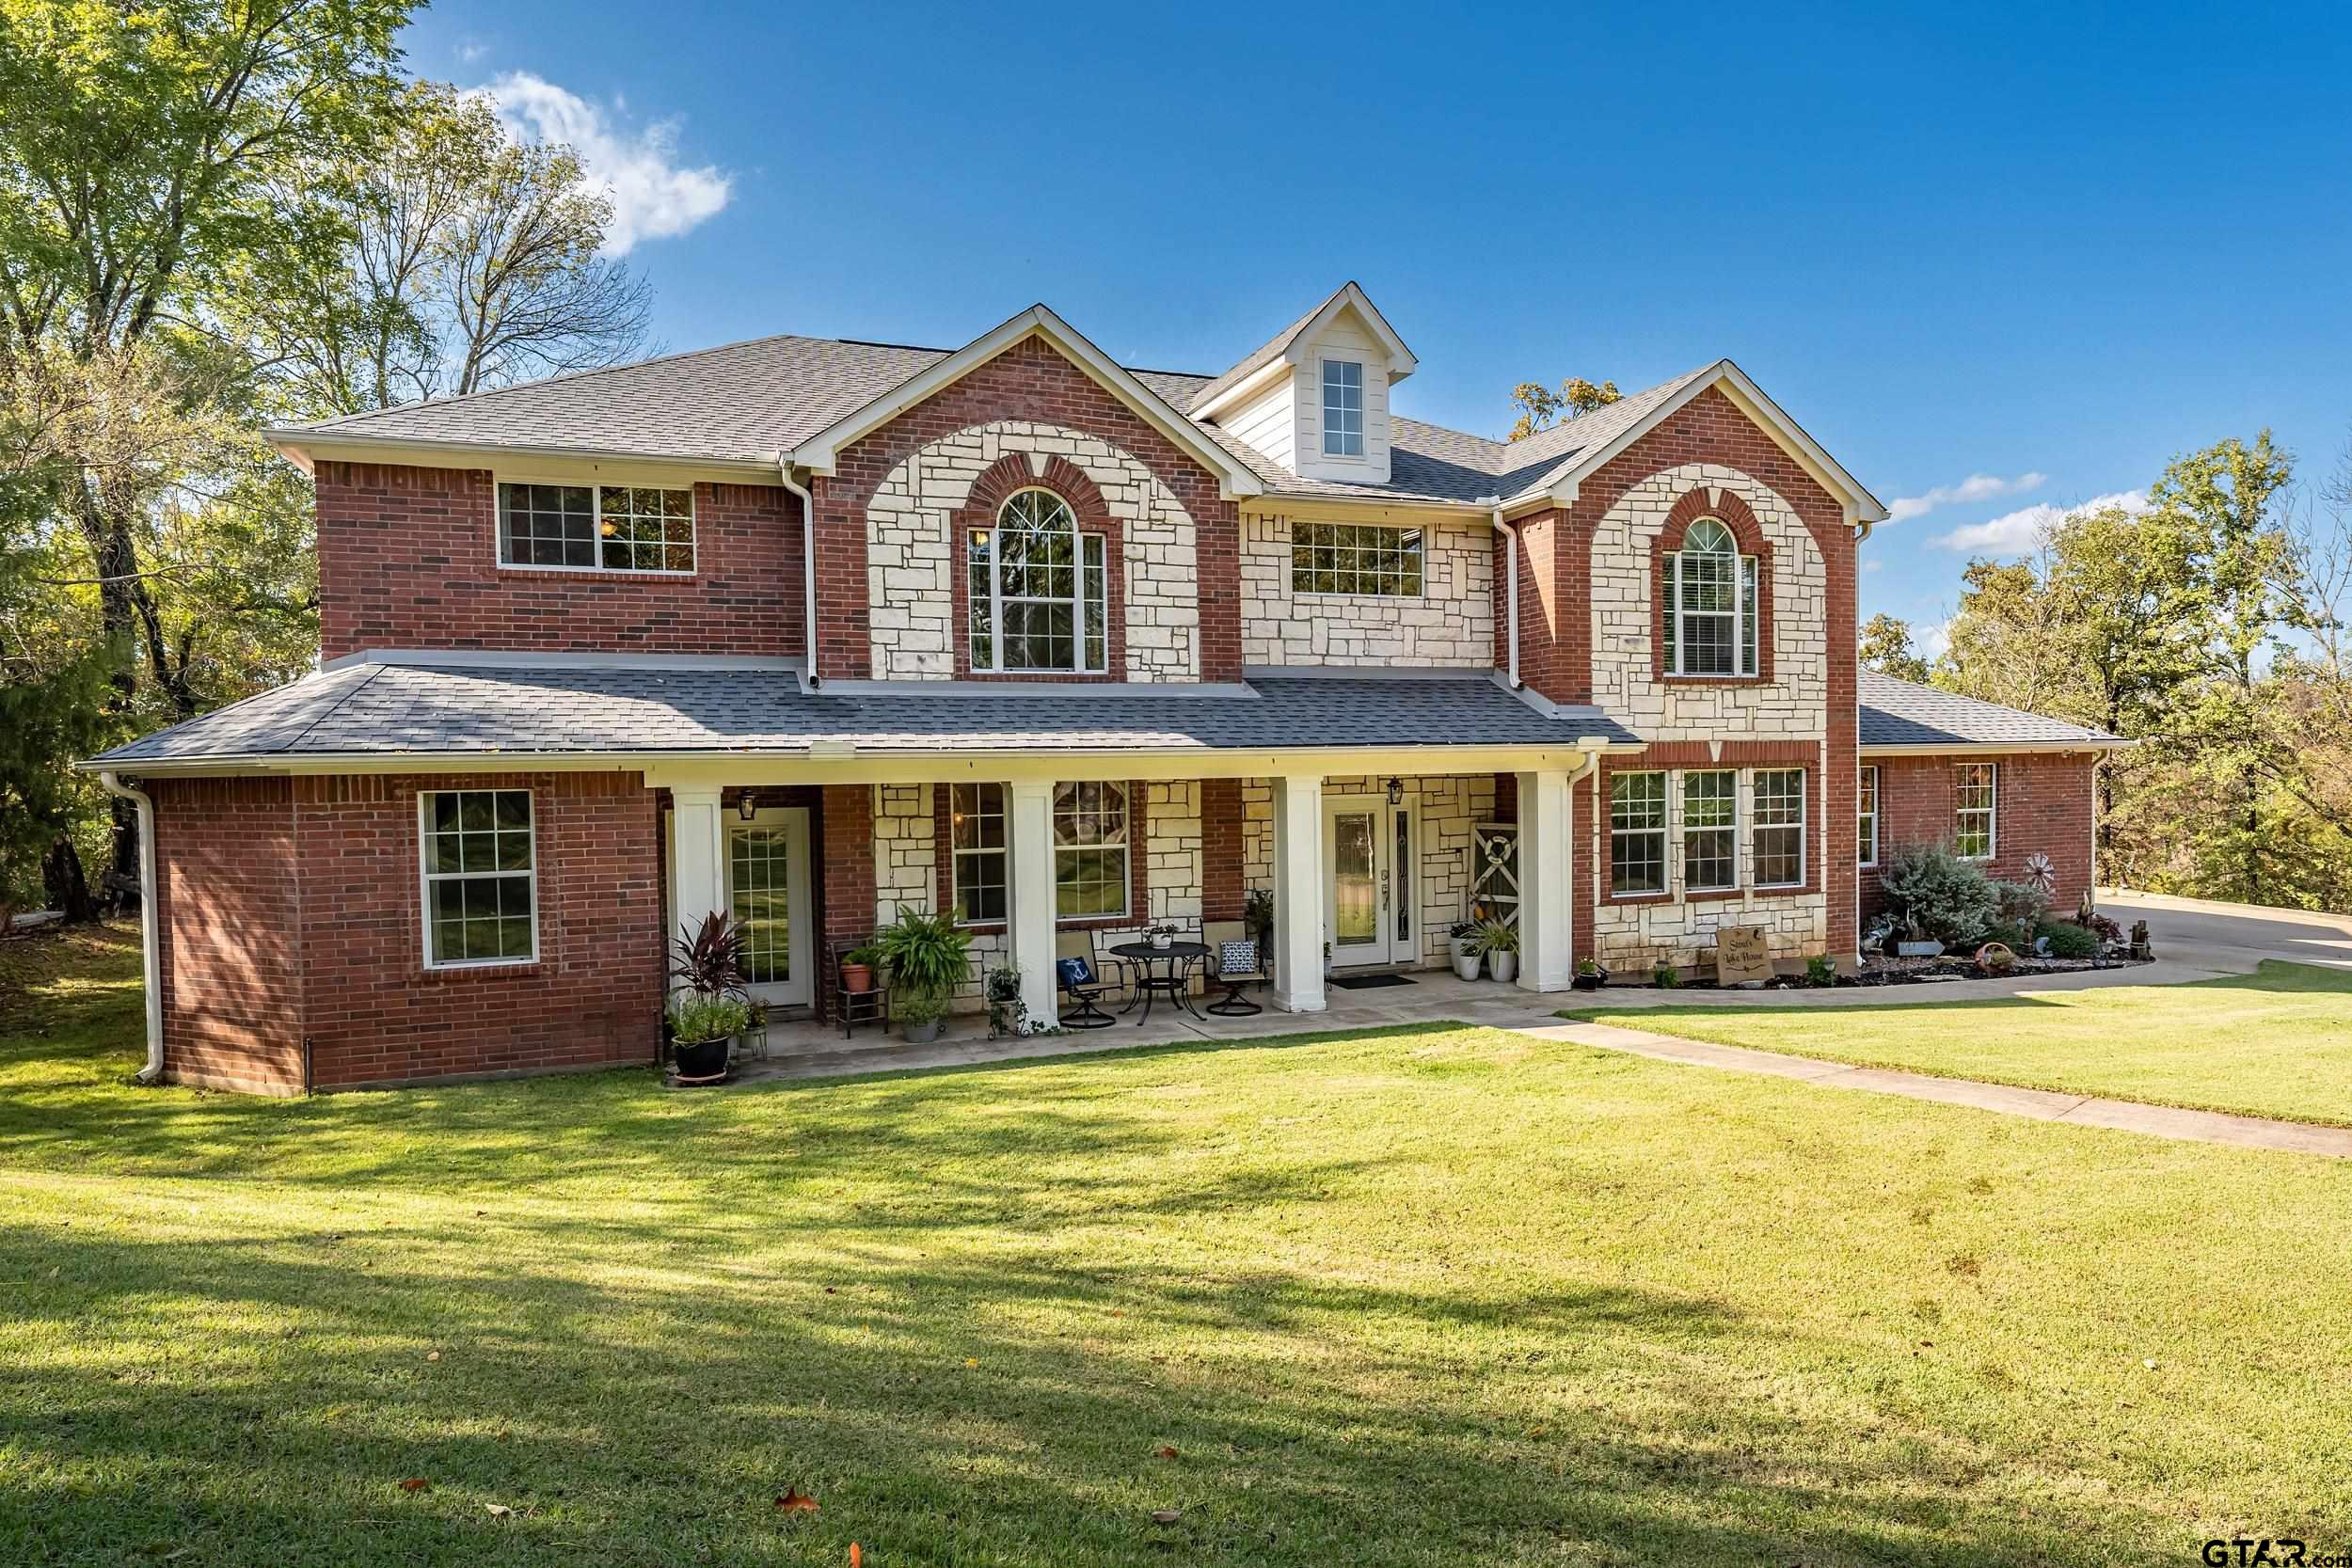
(1466, 964)
(1505, 965)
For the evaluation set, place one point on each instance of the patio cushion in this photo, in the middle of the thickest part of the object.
(1075, 973)
(1237, 957)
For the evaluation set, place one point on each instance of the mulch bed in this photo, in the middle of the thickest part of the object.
(1949, 969)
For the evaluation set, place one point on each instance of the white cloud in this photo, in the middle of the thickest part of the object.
(1975, 487)
(1932, 641)
(2013, 533)
(653, 196)
(473, 52)
(1873, 565)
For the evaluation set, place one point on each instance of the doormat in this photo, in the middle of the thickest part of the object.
(1369, 982)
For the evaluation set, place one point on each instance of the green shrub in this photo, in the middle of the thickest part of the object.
(927, 955)
(695, 1017)
(1940, 894)
(1820, 969)
(1666, 977)
(2021, 904)
(2068, 940)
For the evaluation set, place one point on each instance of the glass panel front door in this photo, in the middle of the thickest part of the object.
(1356, 887)
(768, 897)
(1368, 846)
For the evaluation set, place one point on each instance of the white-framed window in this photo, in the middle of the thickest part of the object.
(1637, 833)
(1709, 619)
(1090, 850)
(596, 527)
(1356, 558)
(1343, 408)
(480, 868)
(975, 820)
(1779, 826)
(1866, 828)
(1710, 830)
(1977, 803)
(1039, 593)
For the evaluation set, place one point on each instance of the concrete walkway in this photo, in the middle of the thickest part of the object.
(2129, 1115)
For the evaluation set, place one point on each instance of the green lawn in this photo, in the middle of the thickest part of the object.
(1430, 1297)
(2277, 1043)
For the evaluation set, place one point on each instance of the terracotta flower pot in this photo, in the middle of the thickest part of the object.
(857, 977)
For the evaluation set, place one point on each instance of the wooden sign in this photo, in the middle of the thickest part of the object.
(1741, 954)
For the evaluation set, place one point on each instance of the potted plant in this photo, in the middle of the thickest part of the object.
(1499, 944)
(927, 957)
(857, 967)
(1161, 936)
(1327, 960)
(1008, 1014)
(1257, 917)
(710, 1009)
(1589, 975)
(1463, 937)
(1996, 958)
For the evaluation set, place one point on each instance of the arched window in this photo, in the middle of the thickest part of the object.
(1038, 596)
(1709, 608)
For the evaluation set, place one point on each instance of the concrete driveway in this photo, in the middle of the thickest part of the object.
(2231, 938)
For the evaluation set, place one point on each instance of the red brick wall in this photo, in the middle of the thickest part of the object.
(408, 559)
(293, 908)
(1030, 381)
(1222, 849)
(2044, 805)
(377, 1014)
(229, 918)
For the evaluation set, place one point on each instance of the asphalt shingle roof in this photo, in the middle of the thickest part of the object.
(389, 710)
(1899, 713)
(752, 402)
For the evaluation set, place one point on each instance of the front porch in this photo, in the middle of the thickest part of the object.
(814, 1049)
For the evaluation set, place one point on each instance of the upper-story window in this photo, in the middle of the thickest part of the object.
(1040, 596)
(1710, 604)
(1351, 558)
(1343, 408)
(613, 527)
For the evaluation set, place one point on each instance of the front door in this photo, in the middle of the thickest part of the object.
(1370, 911)
(768, 893)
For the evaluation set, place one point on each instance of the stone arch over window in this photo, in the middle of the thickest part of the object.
(1056, 476)
(1726, 507)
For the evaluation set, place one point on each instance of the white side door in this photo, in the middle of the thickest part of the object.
(1372, 904)
(768, 895)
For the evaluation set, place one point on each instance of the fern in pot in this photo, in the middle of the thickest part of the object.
(710, 1006)
(928, 957)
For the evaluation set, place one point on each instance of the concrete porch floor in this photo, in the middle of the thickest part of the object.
(808, 1049)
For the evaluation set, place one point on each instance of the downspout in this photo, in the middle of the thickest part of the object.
(809, 681)
(1592, 850)
(150, 935)
(1511, 576)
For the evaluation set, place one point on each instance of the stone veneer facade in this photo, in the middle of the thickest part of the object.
(1451, 624)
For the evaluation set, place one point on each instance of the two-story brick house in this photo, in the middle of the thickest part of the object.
(808, 630)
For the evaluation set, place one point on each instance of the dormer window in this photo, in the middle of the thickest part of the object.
(1039, 598)
(1343, 408)
(1711, 611)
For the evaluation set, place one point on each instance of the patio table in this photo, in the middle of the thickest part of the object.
(1173, 983)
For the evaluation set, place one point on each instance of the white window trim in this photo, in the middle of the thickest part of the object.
(595, 490)
(426, 876)
(1736, 828)
(996, 665)
(1743, 610)
(1363, 414)
(1757, 824)
(1127, 865)
(1992, 813)
(1665, 830)
(954, 859)
(1873, 859)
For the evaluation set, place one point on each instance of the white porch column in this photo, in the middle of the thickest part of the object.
(1029, 923)
(697, 863)
(1299, 893)
(1547, 953)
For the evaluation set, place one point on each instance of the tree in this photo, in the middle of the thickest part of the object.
(1539, 405)
(1886, 647)
(472, 262)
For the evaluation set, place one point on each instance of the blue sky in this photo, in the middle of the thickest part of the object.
(2043, 251)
